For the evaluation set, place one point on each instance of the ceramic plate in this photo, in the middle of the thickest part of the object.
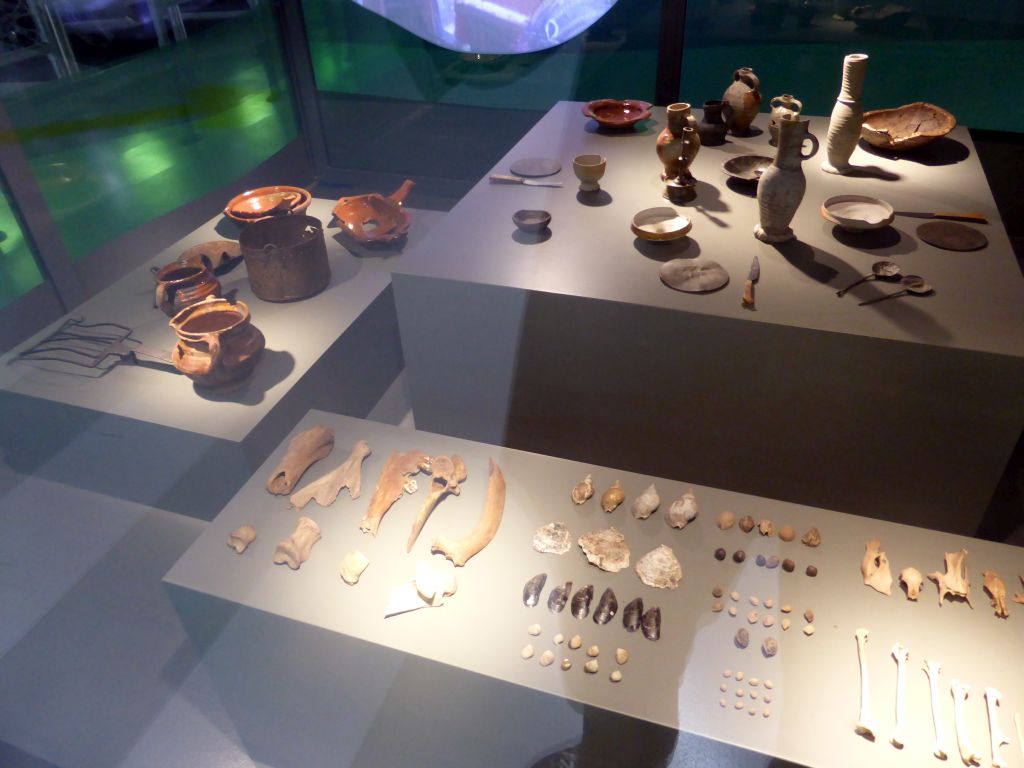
(856, 213)
(660, 224)
(264, 202)
(613, 113)
(746, 167)
(952, 236)
(694, 275)
(535, 167)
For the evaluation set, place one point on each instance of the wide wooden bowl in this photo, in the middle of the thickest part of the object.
(908, 127)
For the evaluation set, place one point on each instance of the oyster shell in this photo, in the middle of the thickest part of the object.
(812, 538)
(583, 490)
(606, 548)
(552, 538)
(650, 623)
(683, 510)
(532, 590)
(766, 527)
(581, 601)
(614, 496)
(660, 568)
(646, 503)
(632, 613)
(607, 607)
(559, 597)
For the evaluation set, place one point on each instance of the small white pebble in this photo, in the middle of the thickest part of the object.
(751, 711)
(593, 651)
(753, 694)
(769, 684)
(575, 642)
(768, 602)
(723, 687)
(591, 666)
(753, 681)
(769, 621)
(559, 638)
(732, 610)
(721, 702)
(739, 705)
(740, 693)
(809, 630)
(767, 712)
(615, 676)
(527, 652)
(566, 664)
(752, 617)
(533, 629)
(786, 624)
(726, 673)
(767, 699)
(547, 658)
(754, 600)
(739, 676)
(621, 655)
(735, 596)
(717, 606)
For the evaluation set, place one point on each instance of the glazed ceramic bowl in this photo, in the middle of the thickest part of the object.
(746, 168)
(857, 213)
(267, 202)
(660, 224)
(616, 114)
(531, 221)
(589, 169)
(907, 127)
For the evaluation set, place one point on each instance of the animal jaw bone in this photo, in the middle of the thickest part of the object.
(304, 450)
(901, 655)
(997, 591)
(874, 566)
(241, 537)
(325, 490)
(446, 474)
(992, 699)
(459, 551)
(395, 479)
(912, 579)
(294, 550)
(933, 669)
(955, 580)
(353, 565)
(865, 722)
(967, 753)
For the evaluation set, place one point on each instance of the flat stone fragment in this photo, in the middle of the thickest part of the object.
(606, 548)
(591, 666)
(553, 539)
(615, 676)
(527, 652)
(533, 629)
(769, 647)
(547, 658)
(621, 655)
(593, 651)
(575, 642)
(809, 630)
(660, 568)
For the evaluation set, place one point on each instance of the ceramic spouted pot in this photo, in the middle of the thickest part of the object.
(218, 345)
(847, 116)
(782, 185)
(181, 284)
(784, 106)
(742, 101)
(673, 142)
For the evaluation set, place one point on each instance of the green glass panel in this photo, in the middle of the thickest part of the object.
(18, 270)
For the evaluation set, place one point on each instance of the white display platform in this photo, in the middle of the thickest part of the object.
(338, 631)
(809, 398)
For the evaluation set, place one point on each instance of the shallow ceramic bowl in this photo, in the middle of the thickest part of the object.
(531, 221)
(660, 224)
(907, 127)
(856, 213)
(264, 202)
(746, 167)
(616, 114)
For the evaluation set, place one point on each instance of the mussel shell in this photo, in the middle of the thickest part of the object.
(581, 601)
(532, 590)
(631, 614)
(607, 607)
(559, 597)
(651, 623)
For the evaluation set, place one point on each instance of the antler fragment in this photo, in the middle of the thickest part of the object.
(459, 551)
(347, 475)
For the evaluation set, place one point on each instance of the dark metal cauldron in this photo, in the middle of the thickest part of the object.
(286, 257)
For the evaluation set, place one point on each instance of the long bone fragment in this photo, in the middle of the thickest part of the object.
(294, 550)
(459, 551)
(992, 700)
(446, 474)
(901, 655)
(303, 450)
(395, 479)
(347, 475)
(933, 669)
(865, 722)
(967, 752)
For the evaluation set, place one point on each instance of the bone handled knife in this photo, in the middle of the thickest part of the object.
(500, 178)
(748, 289)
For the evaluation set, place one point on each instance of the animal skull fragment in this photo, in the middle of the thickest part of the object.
(912, 579)
(874, 566)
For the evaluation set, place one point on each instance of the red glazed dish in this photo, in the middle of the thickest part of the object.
(613, 113)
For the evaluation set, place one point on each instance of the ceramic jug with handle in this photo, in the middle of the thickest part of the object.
(781, 187)
(787, 106)
(742, 101)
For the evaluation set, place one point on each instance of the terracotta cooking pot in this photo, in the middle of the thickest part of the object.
(218, 345)
(374, 218)
(181, 284)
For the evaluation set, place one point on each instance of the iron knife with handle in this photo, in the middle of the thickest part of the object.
(748, 289)
(500, 178)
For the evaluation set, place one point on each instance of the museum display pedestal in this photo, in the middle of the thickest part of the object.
(307, 662)
(571, 345)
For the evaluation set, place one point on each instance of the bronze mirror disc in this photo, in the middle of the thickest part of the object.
(952, 236)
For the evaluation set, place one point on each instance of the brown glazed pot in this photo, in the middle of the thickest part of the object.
(217, 345)
(181, 284)
(742, 101)
(286, 257)
(712, 127)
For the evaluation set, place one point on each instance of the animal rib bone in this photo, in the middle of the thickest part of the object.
(874, 566)
(955, 580)
(933, 669)
(992, 699)
(997, 591)
(395, 479)
(446, 474)
(461, 550)
(347, 475)
(303, 450)
(294, 550)
(865, 722)
(901, 655)
(912, 580)
(967, 753)
(241, 537)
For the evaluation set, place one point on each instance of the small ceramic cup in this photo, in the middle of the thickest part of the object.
(589, 169)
